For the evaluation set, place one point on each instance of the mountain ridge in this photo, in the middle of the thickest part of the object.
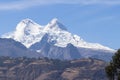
(12, 48)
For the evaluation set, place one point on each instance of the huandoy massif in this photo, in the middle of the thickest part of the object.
(55, 41)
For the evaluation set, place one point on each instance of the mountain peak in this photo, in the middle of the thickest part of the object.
(55, 25)
(26, 28)
(28, 21)
(27, 24)
(54, 21)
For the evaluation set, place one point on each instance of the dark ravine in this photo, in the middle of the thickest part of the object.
(51, 69)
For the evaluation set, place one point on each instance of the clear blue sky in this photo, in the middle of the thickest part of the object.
(94, 20)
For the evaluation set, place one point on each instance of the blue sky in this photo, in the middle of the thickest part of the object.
(93, 20)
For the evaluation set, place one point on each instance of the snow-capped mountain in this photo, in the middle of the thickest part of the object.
(27, 32)
(30, 33)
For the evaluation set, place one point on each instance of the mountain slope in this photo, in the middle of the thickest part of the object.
(9, 47)
(54, 41)
(48, 49)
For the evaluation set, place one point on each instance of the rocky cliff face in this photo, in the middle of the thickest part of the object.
(46, 69)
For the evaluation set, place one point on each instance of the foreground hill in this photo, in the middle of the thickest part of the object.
(46, 69)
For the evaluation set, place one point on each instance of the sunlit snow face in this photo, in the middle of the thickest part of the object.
(19, 30)
(28, 32)
(28, 26)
